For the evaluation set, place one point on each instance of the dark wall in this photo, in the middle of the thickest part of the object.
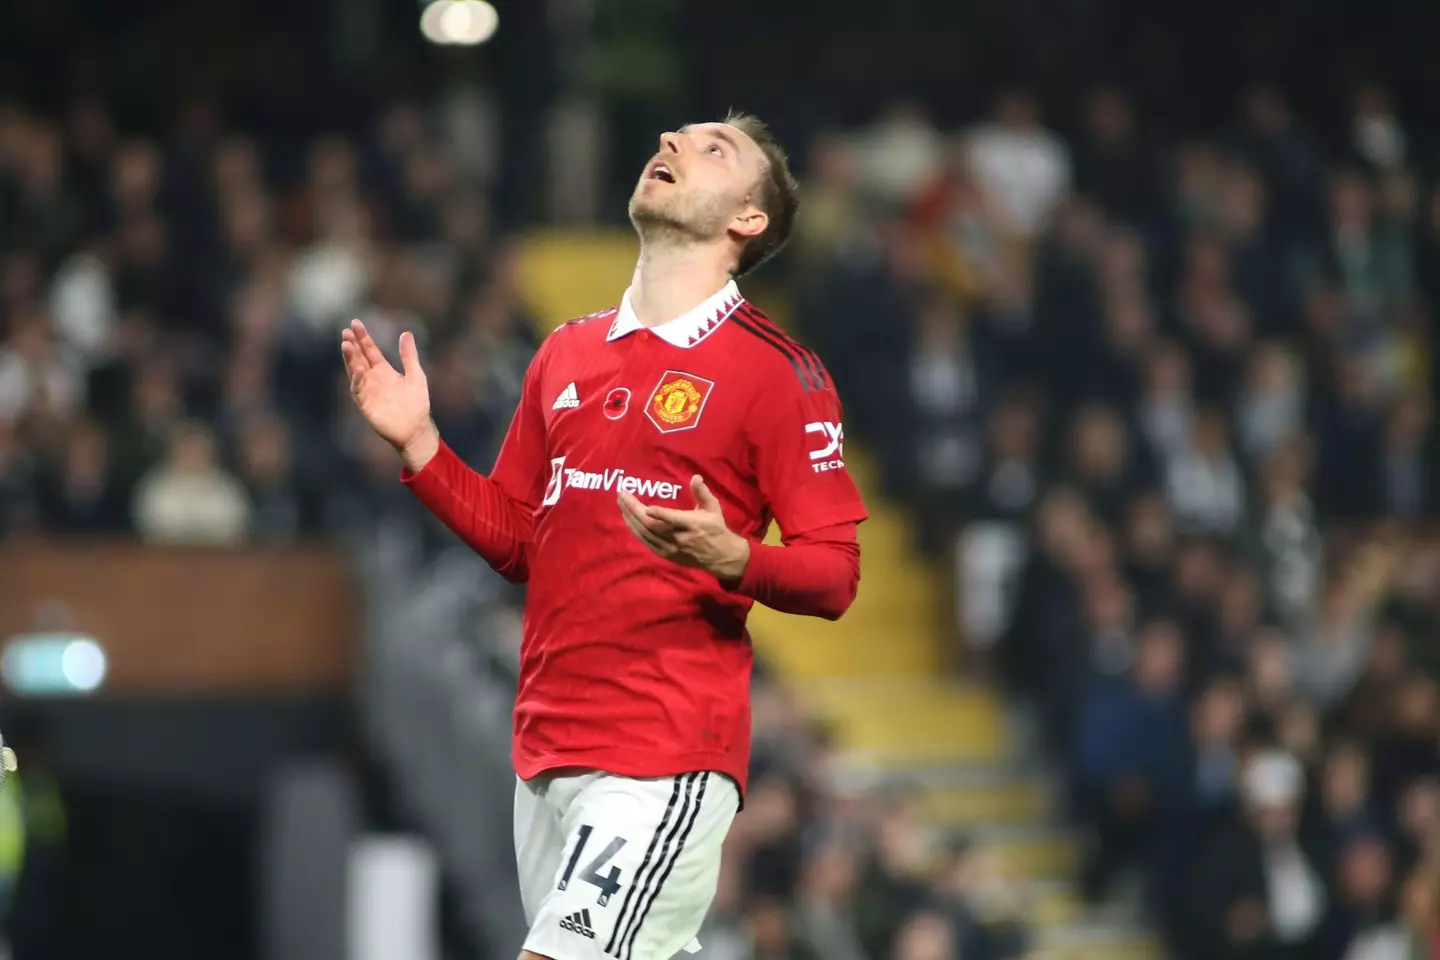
(163, 803)
(817, 62)
(224, 667)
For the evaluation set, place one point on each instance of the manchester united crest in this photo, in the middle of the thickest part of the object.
(678, 400)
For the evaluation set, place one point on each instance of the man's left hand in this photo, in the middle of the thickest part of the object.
(692, 538)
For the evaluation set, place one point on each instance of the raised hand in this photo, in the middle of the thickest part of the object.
(396, 403)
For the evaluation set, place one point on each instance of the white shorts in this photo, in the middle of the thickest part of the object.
(613, 868)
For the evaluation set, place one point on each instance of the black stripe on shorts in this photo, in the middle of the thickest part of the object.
(615, 937)
(679, 849)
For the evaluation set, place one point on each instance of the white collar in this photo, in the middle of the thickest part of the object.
(687, 329)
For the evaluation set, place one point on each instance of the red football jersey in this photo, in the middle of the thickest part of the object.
(632, 664)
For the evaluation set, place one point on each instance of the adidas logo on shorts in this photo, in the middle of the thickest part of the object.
(579, 923)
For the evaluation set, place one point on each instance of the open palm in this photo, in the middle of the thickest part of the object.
(396, 403)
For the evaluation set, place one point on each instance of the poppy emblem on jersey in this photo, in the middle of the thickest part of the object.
(617, 403)
(678, 401)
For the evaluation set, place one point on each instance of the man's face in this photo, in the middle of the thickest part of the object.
(700, 185)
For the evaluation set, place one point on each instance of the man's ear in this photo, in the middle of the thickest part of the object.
(750, 223)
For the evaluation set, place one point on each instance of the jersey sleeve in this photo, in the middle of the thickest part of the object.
(816, 574)
(798, 443)
(494, 515)
(522, 468)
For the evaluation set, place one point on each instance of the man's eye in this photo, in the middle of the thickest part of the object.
(716, 149)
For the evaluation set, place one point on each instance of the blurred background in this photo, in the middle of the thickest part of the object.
(1132, 307)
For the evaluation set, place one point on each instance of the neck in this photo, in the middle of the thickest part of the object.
(668, 280)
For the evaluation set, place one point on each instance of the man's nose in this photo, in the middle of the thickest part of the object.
(670, 142)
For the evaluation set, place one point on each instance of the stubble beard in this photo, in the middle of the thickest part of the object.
(662, 223)
(659, 228)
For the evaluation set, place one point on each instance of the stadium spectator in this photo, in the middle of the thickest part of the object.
(1022, 166)
(188, 499)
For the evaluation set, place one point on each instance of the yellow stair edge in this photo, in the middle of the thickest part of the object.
(1056, 907)
(1038, 857)
(1119, 948)
(910, 721)
(1005, 802)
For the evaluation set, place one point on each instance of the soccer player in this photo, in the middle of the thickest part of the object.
(654, 444)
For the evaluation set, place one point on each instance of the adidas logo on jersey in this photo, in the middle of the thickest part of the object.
(569, 398)
(579, 923)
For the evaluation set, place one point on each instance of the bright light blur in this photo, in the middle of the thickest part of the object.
(461, 23)
(83, 664)
(53, 664)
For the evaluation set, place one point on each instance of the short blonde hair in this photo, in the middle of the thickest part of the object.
(777, 193)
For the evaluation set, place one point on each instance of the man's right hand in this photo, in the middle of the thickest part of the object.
(396, 404)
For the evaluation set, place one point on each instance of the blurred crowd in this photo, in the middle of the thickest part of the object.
(170, 310)
(829, 862)
(1165, 405)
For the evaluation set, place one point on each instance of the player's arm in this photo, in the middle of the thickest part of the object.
(814, 574)
(493, 515)
(476, 508)
(798, 448)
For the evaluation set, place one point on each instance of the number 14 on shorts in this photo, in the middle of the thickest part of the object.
(608, 884)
